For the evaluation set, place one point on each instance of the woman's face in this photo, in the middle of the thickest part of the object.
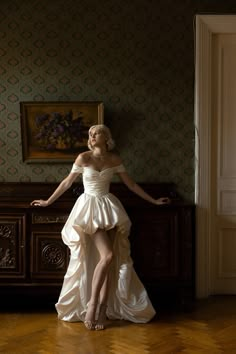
(97, 137)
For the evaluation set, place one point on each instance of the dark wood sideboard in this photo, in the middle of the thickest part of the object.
(33, 258)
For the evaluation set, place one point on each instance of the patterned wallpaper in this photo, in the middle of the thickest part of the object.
(136, 56)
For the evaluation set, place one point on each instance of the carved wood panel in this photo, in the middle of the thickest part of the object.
(12, 246)
(49, 256)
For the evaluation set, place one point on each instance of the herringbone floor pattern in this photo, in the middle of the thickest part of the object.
(210, 328)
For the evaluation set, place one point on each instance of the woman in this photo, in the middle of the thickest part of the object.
(100, 279)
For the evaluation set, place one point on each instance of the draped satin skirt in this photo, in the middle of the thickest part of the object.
(128, 298)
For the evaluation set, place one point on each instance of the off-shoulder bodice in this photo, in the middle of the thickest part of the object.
(97, 183)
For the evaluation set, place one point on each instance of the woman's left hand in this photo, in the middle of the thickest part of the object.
(39, 202)
(161, 201)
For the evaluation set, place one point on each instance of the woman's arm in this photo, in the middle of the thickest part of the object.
(135, 188)
(63, 186)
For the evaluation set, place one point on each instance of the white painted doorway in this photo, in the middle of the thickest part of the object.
(215, 121)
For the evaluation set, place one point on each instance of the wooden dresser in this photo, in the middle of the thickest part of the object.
(33, 258)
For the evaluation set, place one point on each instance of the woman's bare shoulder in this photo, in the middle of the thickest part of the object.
(83, 158)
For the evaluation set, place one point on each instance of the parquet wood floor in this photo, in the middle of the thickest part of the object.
(209, 329)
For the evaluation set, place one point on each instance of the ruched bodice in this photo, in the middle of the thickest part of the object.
(97, 183)
(97, 208)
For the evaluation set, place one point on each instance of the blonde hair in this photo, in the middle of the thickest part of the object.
(109, 141)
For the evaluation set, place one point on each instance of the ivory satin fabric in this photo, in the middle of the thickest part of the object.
(97, 208)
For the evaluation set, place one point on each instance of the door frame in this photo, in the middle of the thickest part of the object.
(205, 27)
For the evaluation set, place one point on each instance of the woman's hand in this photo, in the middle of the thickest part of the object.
(161, 201)
(39, 202)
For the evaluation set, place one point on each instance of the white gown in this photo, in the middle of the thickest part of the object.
(97, 208)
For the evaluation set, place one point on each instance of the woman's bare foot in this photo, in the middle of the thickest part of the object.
(89, 320)
(100, 324)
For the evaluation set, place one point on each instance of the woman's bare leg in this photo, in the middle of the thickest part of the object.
(102, 308)
(104, 291)
(99, 281)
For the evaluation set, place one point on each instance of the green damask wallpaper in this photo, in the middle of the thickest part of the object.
(136, 56)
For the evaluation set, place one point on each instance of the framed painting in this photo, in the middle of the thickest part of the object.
(57, 131)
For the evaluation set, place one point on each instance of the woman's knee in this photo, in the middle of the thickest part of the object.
(107, 258)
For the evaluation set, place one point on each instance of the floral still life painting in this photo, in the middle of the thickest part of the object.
(57, 131)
